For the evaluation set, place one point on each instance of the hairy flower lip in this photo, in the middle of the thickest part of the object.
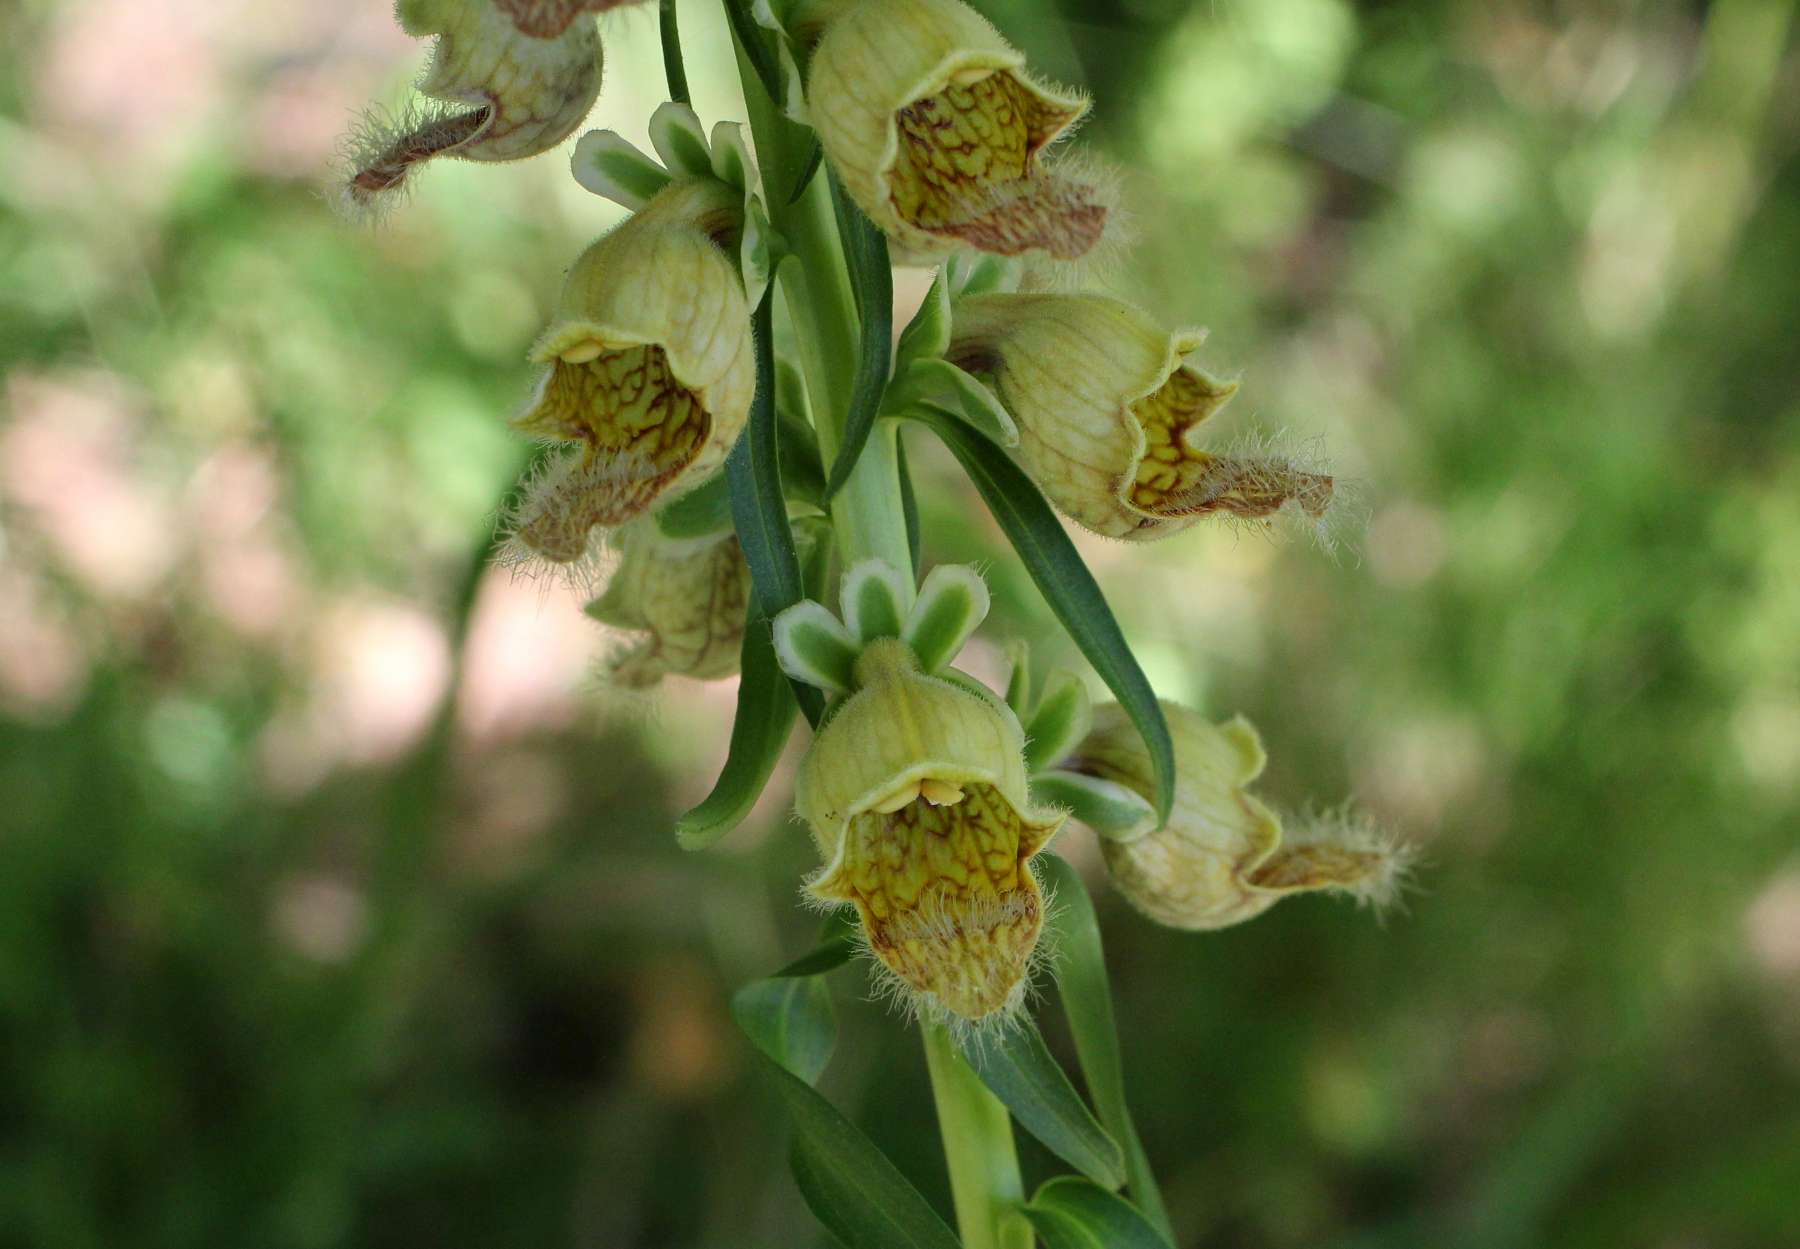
(880, 65)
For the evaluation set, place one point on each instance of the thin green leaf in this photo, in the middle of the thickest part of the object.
(940, 384)
(757, 48)
(1018, 677)
(673, 69)
(1072, 1213)
(1110, 809)
(1021, 1071)
(872, 280)
(757, 507)
(851, 1187)
(848, 1183)
(1087, 1005)
(1066, 584)
(909, 501)
(828, 955)
(815, 156)
(927, 335)
(790, 1020)
(765, 717)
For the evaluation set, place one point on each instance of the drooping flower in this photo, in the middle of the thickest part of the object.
(1223, 857)
(915, 791)
(938, 131)
(1110, 412)
(650, 368)
(686, 600)
(508, 78)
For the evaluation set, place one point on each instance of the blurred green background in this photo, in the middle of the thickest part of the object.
(338, 904)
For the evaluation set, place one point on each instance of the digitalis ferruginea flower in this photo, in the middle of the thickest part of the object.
(1110, 412)
(1223, 857)
(938, 132)
(649, 371)
(916, 793)
(508, 78)
(685, 601)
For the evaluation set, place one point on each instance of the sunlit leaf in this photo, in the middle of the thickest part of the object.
(1021, 1071)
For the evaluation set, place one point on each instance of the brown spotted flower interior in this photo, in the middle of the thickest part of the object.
(944, 893)
(1174, 479)
(639, 427)
(967, 169)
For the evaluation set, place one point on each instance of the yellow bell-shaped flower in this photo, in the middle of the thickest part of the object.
(916, 794)
(1223, 857)
(651, 368)
(1109, 414)
(687, 600)
(513, 78)
(938, 132)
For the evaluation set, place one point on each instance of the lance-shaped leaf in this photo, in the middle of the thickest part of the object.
(872, 280)
(758, 509)
(1066, 584)
(1110, 809)
(1072, 1213)
(909, 501)
(940, 384)
(790, 1019)
(847, 1182)
(951, 606)
(1021, 1071)
(613, 169)
(927, 335)
(765, 717)
(1087, 1005)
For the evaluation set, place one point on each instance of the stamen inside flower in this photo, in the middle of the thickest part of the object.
(967, 169)
(944, 893)
(1174, 479)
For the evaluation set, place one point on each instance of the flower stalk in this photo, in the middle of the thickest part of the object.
(869, 519)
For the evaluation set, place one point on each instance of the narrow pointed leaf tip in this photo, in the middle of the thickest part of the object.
(1069, 1212)
(1061, 719)
(1067, 586)
(1018, 1067)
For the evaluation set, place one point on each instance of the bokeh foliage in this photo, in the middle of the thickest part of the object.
(275, 970)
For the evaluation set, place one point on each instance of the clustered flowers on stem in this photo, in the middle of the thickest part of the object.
(927, 794)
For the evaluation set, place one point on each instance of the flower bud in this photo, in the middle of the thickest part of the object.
(1222, 857)
(937, 131)
(688, 599)
(651, 367)
(515, 78)
(1109, 413)
(915, 791)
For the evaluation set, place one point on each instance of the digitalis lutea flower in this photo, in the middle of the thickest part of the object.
(687, 600)
(650, 368)
(915, 791)
(938, 132)
(511, 78)
(1110, 411)
(1224, 857)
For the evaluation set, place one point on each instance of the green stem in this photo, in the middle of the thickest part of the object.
(978, 1148)
(869, 517)
(673, 68)
(867, 513)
